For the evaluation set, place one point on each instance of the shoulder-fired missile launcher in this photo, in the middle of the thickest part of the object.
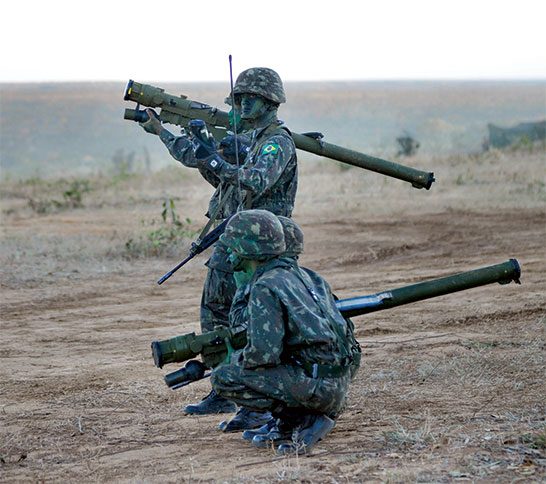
(179, 110)
(214, 346)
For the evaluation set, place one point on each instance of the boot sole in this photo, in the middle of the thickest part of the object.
(243, 426)
(209, 412)
(268, 444)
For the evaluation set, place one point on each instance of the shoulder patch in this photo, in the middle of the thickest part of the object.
(270, 148)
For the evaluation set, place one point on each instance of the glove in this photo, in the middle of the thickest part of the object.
(153, 125)
(203, 142)
(211, 163)
(227, 147)
(204, 146)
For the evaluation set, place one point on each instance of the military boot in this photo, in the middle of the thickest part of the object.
(245, 419)
(279, 433)
(212, 403)
(310, 431)
(263, 430)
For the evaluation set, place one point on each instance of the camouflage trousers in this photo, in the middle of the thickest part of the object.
(218, 291)
(263, 389)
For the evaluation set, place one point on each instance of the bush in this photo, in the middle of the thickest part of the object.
(164, 240)
(71, 191)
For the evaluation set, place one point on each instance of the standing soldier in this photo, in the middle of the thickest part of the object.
(267, 179)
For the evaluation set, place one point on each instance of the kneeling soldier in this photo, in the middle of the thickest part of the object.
(297, 362)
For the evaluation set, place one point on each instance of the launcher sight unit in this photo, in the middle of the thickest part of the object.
(214, 346)
(179, 110)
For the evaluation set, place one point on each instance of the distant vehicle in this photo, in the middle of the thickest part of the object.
(501, 137)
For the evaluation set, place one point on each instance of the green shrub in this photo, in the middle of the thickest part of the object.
(163, 240)
(72, 195)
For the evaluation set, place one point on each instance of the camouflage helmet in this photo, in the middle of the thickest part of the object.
(254, 234)
(293, 237)
(262, 81)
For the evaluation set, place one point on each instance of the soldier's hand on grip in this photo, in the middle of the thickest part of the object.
(152, 125)
(228, 147)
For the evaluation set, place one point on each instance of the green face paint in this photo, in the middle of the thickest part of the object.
(243, 270)
(242, 278)
(237, 118)
(252, 106)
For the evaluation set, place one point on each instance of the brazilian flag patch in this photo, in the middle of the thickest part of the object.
(270, 149)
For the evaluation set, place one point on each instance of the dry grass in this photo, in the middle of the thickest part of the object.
(326, 187)
(451, 390)
(502, 180)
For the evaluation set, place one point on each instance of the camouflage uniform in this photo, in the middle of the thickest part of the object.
(287, 333)
(268, 180)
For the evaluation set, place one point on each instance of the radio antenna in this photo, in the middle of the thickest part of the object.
(234, 118)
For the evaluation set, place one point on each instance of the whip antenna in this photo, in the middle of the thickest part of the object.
(234, 117)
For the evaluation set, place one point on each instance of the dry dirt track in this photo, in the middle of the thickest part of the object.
(451, 389)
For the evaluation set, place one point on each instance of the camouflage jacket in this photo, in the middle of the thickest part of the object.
(181, 149)
(269, 176)
(285, 323)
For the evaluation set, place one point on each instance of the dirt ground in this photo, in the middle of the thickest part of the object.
(451, 389)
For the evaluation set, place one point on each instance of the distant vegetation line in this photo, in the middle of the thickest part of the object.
(76, 128)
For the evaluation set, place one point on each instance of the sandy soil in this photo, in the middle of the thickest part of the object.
(451, 389)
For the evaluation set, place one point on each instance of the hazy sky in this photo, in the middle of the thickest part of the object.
(186, 40)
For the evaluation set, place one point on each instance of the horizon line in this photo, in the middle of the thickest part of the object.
(378, 79)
